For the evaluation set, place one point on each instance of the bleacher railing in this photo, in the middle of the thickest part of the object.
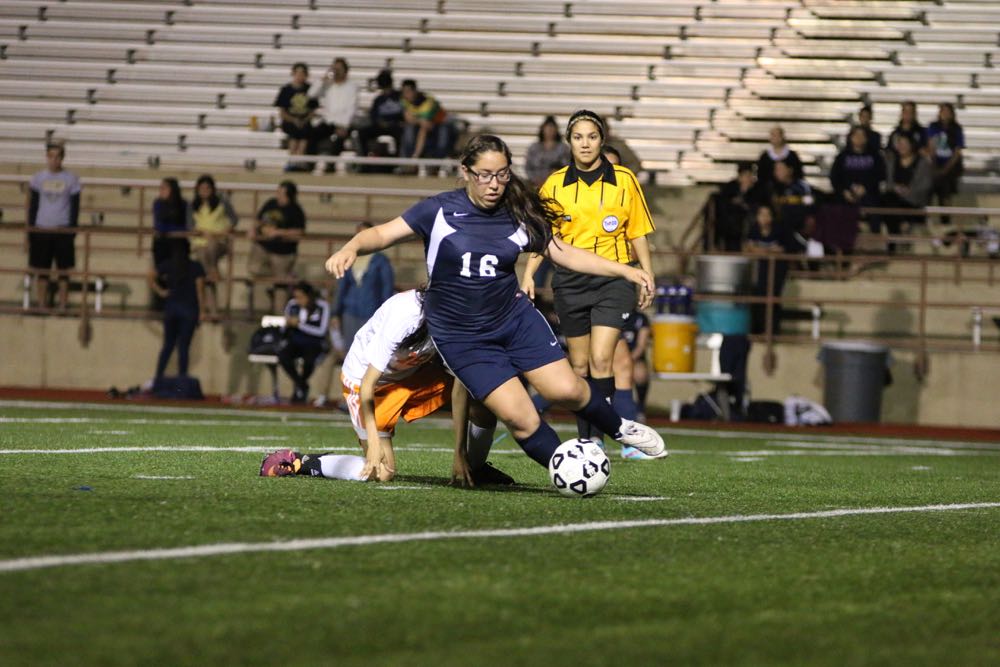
(314, 248)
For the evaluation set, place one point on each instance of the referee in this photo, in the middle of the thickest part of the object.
(605, 212)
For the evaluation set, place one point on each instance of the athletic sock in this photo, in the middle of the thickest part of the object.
(582, 425)
(541, 444)
(599, 412)
(541, 403)
(624, 404)
(478, 446)
(641, 390)
(333, 466)
(606, 388)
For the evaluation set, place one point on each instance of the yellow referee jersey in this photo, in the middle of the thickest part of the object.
(602, 217)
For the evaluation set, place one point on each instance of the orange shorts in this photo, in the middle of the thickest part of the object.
(417, 396)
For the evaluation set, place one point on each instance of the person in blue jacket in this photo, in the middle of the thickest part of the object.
(361, 291)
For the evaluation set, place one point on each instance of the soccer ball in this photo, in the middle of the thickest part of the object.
(579, 468)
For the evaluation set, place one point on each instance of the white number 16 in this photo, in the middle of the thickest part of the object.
(486, 266)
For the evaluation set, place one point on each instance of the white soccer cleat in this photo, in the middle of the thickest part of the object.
(643, 438)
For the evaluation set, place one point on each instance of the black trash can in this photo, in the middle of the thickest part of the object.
(854, 374)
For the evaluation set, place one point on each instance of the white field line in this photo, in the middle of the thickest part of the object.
(270, 417)
(816, 435)
(170, 422)
(755, 454)
(206, 550)
(258, 449)
(162, 477)
(274, 415)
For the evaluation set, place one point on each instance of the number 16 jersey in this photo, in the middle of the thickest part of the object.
(471, 258)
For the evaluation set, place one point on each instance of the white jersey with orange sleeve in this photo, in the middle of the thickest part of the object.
(378, 342)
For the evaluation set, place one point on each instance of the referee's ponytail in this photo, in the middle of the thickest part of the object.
(525, 204)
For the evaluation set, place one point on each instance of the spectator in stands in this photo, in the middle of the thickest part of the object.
(857, 175)
(767, 237)
(307, 322)
(946, 141)
(730, 208)
(213, 217)
(280, 224)
(364, 287)
(338, 100)
(297, 109)
(873, 140)
(170, 215)
(427, 131)
(627, 156)
(777, 151)
(385, 118)
(791, 198)
(909, 125)
(547, 154)
(909, 181)
(53, 204)
(180, 282)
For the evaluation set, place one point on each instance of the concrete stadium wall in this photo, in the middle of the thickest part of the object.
(45, 352)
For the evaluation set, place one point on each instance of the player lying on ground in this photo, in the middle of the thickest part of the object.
(392, 370)
(487, 332)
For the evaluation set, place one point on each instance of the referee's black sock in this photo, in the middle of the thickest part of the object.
(606, 388)
(582, 425)
(598, 410)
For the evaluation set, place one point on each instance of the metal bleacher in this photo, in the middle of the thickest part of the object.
(692, 86)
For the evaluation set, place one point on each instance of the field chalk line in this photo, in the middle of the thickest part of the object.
(40, 562)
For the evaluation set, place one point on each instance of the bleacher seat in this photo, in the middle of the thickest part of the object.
(182, 80)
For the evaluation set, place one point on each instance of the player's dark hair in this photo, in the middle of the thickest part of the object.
(409, 83)
(419, 334)
(523, 202)
(742, 167)
(342, 61)
(213, 199)
(302, 66)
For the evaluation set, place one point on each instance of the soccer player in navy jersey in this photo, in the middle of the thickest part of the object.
(486, 330)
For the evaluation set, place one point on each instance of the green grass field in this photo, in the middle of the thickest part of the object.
(731, 551)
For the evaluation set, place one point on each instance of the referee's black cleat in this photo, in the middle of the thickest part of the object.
(490, 476)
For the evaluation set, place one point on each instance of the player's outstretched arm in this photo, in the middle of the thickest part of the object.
(528, 280)
(583, 261)
(366, 242)
(381, 460)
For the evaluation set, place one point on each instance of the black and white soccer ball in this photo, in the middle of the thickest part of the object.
(579, 467)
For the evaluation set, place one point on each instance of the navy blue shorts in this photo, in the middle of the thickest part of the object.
(522, 343)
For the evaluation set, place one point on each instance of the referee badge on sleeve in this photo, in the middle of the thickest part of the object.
(610, 223)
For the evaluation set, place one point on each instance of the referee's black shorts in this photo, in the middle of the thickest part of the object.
(583, 301)
(45, 248)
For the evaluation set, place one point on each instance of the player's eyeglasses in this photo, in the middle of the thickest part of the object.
(484, 177)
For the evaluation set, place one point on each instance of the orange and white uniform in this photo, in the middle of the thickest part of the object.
(410, 386)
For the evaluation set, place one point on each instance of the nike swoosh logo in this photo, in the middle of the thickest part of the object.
(459, 215)
(554, 343)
